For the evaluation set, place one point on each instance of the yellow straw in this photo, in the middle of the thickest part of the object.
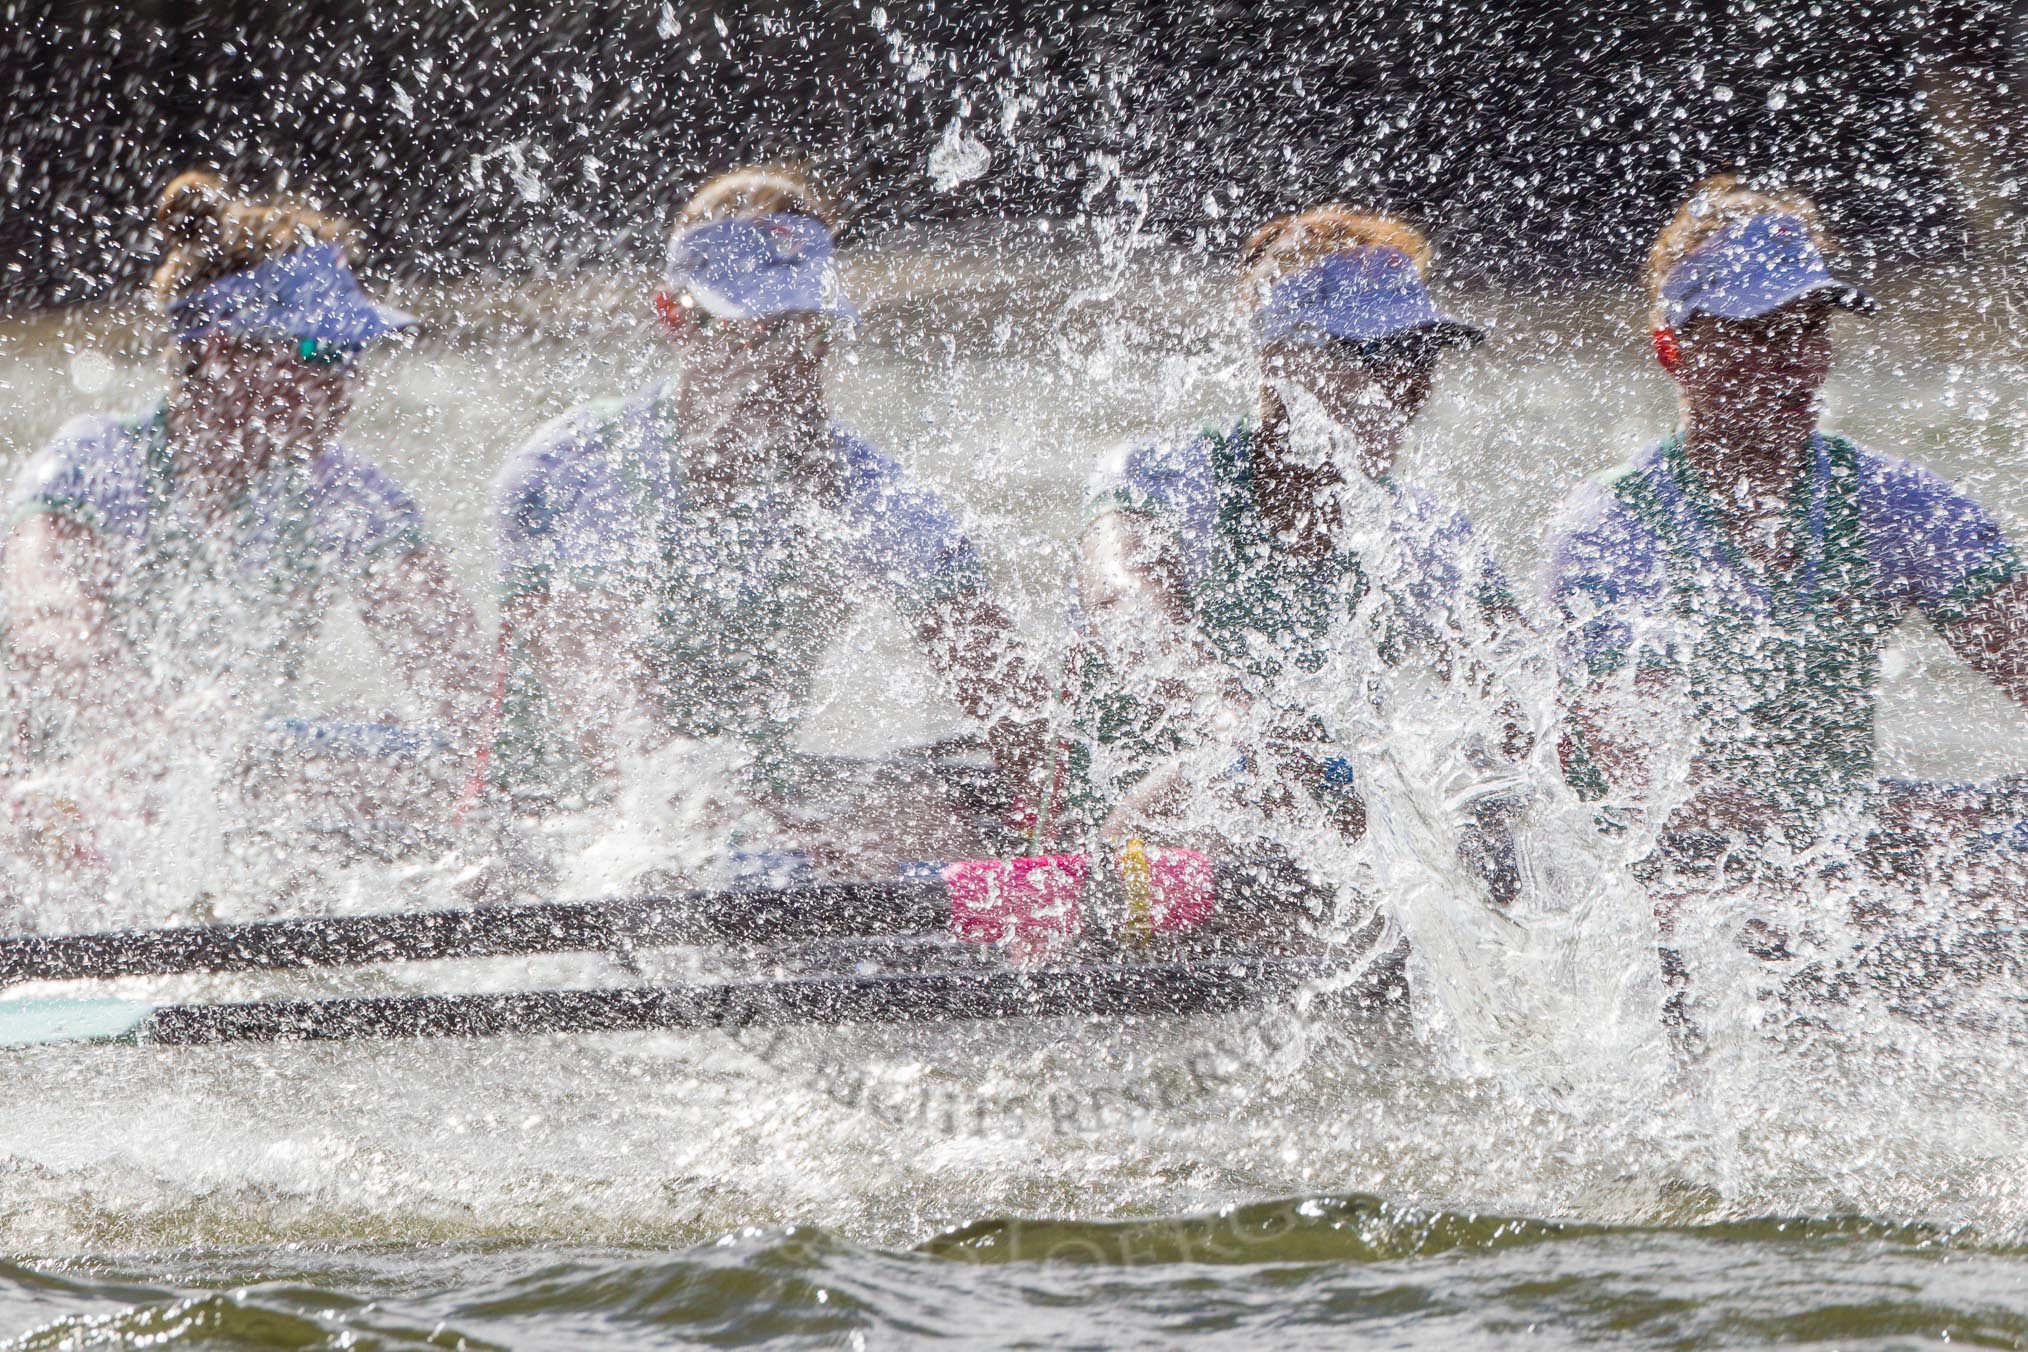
(1138, 877)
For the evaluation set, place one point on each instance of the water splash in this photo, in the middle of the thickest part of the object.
(958, 157)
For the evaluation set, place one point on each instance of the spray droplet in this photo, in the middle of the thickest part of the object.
(959, 157)
(91, 372)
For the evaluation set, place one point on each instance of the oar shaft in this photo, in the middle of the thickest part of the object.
(917, 997)
(897, 906)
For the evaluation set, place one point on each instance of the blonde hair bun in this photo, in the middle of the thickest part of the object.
(1288, 244)
(758, 190)
(191, 204)
(210, 230)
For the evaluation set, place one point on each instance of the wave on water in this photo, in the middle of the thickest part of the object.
(1297, 1269)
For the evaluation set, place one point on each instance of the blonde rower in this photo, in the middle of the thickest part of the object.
(1215, 567)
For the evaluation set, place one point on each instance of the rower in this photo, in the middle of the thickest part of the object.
(675, 563)
(168, 570)
(1213, 568)
(1746, 573)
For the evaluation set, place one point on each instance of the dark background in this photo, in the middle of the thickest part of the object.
(1543, 138)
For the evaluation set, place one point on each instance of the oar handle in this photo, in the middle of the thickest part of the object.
(979, 900)
(748, 915)
(988, 993)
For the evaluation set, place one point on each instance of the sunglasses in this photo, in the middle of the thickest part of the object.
(1413, 348)
(326, 353)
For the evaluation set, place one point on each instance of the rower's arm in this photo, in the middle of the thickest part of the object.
(61, 645)
(1622, 735)
(1137, 617)
(1508, 642)
(979, 659)
(1136, 612)
(581, 644)
(1992, 636)
(1612, 686)
(419, 617)
(1599, 741)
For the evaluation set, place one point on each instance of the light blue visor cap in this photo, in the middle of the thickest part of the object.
(1751, 267)
(306, 293)
(755, 267)
(1363, 295)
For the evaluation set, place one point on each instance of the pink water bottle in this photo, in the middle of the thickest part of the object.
(1027, 900)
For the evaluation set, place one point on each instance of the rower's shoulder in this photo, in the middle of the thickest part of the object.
(1599, 529)
(1642, 465)
(1608, 493)
(1179, 456)
(864, 462)
(574, 443)
(875, 480)
(1161, 474)
(344, 474)
(1880, 473)
(100, 440)
(881, 494)
(1909, 506)
(902, 533)
(91, 463)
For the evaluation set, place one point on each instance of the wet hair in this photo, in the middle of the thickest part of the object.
(210, 231)
(1291, 243)
(1714, 203)
(758, 190)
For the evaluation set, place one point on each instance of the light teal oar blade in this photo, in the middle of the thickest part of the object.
(37, 1023)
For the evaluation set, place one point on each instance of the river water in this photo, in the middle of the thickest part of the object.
(1297, 1175)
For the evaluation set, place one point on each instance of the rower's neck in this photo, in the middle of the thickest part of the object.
(211, 459)
(1301, 504)
(1747, 464)
(1750, 475)
(732, 447)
